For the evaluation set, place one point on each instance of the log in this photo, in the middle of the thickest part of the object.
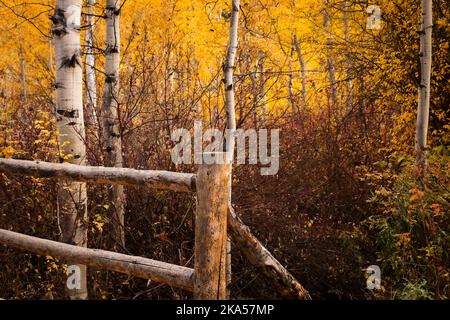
(211, 232)
(167, 273)
(155, 179)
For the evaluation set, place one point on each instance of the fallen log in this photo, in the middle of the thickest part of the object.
(241, 235)
(154, 179)
(173, 275)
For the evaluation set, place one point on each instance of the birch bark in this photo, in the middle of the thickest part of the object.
(423, 108)
(230, 111)
(72, 209)
(91, 79)
(112, 134)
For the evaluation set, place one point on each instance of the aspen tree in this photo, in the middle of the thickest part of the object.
(72, 209)
(230, 109)
(91, 79)
(349, 101)
(112, 134)
(296, 46)
(291, 81)
(262, 86)
(423, 108)
(302, 68)
(23, 76)
(330, 59)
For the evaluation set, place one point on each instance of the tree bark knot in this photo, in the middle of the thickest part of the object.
(71, 62)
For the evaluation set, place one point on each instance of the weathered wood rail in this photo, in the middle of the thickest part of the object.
(208, 210)
(154, 179)
(167, 273)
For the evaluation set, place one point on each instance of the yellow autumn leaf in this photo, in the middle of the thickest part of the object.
(8, 152)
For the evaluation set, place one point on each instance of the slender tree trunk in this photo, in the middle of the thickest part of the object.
(262, 88)
(330, 58)
(349, 101)
(72, 209)
(291, 80)
(302, 69)
(91, 79)
(23, 75)
(50, 56)
(230, 110)
(424, 86)
(112, 134)
(255, 96)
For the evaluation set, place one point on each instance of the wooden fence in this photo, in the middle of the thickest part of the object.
(208, 278)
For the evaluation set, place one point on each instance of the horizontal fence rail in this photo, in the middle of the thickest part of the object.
(174, 275)
(155, 179)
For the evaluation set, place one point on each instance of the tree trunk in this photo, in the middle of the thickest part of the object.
(112, 134)
(262, 88)
(72, 209)
(23, 76)
(291, 80)
(230, 111)
(424, 87)
(349, 101)
(330, 58)
(91, 79)
(302, 69)
(255, 95)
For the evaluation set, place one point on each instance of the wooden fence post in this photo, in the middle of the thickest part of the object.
(211, 232)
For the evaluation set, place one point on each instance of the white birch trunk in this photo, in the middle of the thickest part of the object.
(91, 79)
(230, 111)
(424, 87)
(72, 209)
(112, 134)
